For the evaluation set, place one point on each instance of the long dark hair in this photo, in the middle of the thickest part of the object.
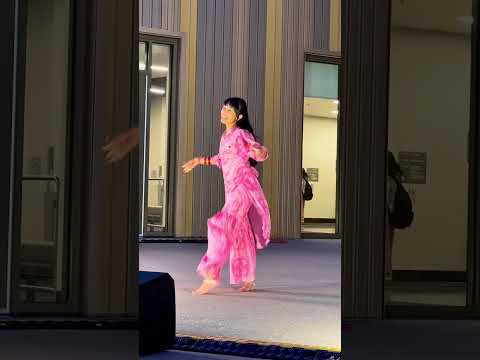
(394, 169)
(305, 175)
(240, 107)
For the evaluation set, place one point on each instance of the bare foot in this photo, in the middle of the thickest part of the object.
(206, 286)
(248, 286)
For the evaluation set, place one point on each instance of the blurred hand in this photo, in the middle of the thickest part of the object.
(121, 145)
(190, 165)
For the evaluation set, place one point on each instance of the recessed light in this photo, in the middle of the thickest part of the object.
(159, 68)
(156, 90)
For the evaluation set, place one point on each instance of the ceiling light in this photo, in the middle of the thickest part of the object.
(159, 68)
(156, 90)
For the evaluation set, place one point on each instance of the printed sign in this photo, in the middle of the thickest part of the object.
(312, 174)
(414, 166)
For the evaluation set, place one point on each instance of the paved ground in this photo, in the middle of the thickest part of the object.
(297, 299)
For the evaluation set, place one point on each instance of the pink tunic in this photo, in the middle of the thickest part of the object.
(244, 221)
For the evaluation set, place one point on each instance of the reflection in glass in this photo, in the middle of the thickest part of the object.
(428, 135)
(43, 266)
(319, 161)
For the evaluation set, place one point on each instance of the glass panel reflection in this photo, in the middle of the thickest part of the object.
(43, 267)
(428, 139)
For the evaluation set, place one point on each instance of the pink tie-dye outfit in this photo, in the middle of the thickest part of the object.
(244, 221)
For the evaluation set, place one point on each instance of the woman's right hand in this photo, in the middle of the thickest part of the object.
(190, 165)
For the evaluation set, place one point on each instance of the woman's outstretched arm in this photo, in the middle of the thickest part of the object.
(201, 160)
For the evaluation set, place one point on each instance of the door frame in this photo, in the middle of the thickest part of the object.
(10, 38)
(334, 58)
(162, 39)
(473, 245)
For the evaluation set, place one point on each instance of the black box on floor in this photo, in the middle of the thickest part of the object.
(156, 312)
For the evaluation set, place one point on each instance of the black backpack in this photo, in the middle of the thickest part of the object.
(401, 216)
(308, 193)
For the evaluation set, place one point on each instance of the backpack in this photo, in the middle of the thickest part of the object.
(401, 216)
(308, 193)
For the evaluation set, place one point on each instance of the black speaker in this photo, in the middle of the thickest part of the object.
(156, 312)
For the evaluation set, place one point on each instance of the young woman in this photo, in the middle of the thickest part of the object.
(243, 224)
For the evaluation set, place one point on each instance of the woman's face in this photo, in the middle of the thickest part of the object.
(227, 115)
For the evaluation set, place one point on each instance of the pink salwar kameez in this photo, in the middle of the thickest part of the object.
(243, 224)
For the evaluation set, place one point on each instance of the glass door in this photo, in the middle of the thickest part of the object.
(428, 154)
(156, 77)
(41, 253)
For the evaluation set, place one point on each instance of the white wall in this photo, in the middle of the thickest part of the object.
(320, 151)
(429, 101)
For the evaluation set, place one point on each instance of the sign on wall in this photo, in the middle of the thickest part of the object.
(414, 166)
(312, 174)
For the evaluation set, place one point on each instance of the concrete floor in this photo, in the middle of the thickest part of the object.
(297, 300)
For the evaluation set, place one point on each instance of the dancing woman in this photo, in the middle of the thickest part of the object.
(243, 224)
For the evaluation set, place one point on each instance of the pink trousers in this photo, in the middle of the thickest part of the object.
(230, 236)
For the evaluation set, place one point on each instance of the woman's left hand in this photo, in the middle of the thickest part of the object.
(260, 152)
